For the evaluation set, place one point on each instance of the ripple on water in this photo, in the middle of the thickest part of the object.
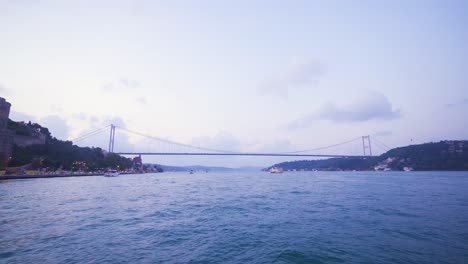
(293, 256)
(236, 218)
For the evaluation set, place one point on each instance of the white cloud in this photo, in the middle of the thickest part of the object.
(373, 106)
(297, 76)
(141, 100)
(383, 133)
(221, 141)
(463, 102)
(18, 116)
(278, 146)
(3, 90)
(100, 139)
(121, 85)
(57, 126)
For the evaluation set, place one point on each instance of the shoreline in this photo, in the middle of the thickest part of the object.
(39, 176)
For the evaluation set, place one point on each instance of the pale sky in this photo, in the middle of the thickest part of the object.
(239, 75)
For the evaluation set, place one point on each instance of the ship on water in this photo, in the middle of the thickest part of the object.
(276, 170)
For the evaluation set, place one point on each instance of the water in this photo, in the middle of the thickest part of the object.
(309, 217)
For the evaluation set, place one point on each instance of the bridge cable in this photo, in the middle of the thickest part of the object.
(320, 148)
(376, 140)
(89, 134)
(173, 142)
(379, 145)
(225, 151)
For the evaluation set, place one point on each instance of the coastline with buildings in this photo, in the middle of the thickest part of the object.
(60, 175)
(448, 155)
(27, 150)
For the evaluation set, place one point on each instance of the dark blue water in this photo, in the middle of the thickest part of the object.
(315, 217)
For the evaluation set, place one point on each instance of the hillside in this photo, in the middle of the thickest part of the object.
(444, 155)
(327, 164)
(57, 154)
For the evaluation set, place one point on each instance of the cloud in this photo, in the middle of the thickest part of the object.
(122, 141)
(383, 133)
(129, 83)
(120, 85)
(3, 90)
(56, 108)
(18, 116)
(298, 75)
(373, 106)
(85, 117)
(141, 100)
(278, 146)
(221, 141)
(462, 102)
(115, 120)
(57, 126)
(80, 116)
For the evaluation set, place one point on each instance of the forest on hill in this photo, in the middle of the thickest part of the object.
(58, 154)
(443, 155)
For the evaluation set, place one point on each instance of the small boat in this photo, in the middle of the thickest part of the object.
(191, 171)
(111, 173)
(276, 170)
(407, 168)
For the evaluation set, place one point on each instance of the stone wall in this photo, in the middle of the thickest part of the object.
(6, 136)
(24, 141)
(4, 113)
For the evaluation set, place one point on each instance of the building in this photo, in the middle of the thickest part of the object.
(137, 162)
(6, 135)
(8, 138)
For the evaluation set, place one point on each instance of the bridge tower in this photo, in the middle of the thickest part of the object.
(111, 138)
(366, 144)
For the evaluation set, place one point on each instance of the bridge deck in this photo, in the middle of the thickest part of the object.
(242, 154)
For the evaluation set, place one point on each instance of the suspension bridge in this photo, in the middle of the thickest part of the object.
(192, 150)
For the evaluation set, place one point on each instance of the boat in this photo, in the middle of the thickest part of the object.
(111, 173)
(407, 168)
(276, 170)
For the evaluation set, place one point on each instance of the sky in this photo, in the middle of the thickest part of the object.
(244, 76)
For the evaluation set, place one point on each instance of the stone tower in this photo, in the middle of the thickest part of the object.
(6, 136)
(4, 112)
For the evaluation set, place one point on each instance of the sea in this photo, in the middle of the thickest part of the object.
(237, 217)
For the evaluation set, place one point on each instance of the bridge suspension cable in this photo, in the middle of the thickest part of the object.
(90, 134)
(227, 151)
(380, 142)
(173, 142)
(380, 145)
(325, 147)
